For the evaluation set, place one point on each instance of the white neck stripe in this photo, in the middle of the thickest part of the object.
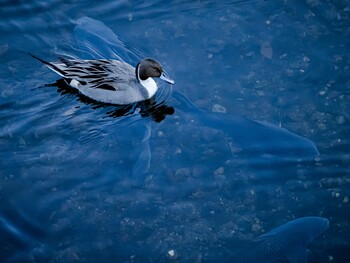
(150, 85)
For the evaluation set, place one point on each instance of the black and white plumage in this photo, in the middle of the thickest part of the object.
(110, 81)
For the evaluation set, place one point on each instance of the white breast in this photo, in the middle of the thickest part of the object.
(150, 85)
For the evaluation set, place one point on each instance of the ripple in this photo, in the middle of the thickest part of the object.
(72, 166)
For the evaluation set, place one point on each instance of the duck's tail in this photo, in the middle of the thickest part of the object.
(50, 66)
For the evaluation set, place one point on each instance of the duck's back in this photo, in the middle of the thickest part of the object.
(109, 81)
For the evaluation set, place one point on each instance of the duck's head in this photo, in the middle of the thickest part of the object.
(149, 67)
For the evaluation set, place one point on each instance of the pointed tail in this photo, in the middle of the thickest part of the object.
(50, 66)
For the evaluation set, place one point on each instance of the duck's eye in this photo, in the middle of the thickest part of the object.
(157, 70)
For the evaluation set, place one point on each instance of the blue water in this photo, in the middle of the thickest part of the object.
(226, 154)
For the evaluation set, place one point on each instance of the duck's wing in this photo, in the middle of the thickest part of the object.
(96, 74)
(103, 74)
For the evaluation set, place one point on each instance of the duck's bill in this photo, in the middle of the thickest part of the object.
(167, 79)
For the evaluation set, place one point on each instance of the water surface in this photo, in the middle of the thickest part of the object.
(80, 185)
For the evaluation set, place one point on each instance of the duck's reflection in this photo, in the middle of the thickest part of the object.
(147, 109)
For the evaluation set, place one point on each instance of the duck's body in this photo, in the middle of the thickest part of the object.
(110, 81)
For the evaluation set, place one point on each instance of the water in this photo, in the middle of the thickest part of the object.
(80, 183)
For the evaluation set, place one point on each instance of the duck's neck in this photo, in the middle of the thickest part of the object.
(137, 72)
(149, 84)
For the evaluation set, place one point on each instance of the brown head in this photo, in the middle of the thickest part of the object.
(149, 67)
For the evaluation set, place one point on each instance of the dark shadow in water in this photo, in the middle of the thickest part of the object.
(19, 234)
(147, 108)
(252, 138)
(286, 243)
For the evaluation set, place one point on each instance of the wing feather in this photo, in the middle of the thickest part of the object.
(96, 74)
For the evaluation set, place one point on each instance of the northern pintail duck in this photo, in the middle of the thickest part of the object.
(110, 81)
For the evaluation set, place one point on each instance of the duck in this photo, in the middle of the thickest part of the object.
(110, 81)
